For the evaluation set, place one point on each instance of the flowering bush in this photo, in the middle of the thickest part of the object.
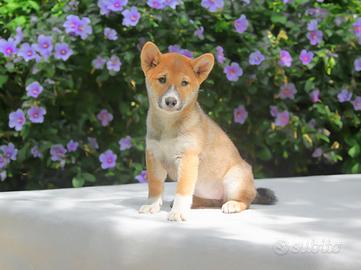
(286, 86)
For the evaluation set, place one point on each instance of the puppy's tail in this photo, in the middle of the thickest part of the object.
(265, 196)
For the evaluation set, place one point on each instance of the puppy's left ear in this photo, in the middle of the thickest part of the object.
(203, 65)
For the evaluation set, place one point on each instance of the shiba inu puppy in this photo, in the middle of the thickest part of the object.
(183, 143)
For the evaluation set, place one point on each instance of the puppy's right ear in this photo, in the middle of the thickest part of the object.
(150, 56)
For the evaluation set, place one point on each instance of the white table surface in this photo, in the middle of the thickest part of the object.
(315, 225)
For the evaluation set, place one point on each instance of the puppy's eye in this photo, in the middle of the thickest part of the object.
(162, 80)
(185, 83)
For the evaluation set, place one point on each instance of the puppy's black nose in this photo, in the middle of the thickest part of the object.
(170, 102)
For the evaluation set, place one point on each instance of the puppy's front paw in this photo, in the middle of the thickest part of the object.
(176, 215)
(149, 209)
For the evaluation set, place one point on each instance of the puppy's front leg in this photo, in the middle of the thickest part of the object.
(187, 177)
(156, 177)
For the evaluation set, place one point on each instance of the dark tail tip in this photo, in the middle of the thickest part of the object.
(265, 196)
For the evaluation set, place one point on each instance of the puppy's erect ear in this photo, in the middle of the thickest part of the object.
(150, 56)
(203, 65)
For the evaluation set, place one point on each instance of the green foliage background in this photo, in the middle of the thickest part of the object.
(80, 92)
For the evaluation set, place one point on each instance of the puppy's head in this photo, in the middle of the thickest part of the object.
(172, 79)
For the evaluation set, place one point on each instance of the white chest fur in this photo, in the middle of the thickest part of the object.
(169, 151)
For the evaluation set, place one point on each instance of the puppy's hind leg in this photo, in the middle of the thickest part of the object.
(239, 189)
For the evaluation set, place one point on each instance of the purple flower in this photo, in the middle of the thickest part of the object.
(357, 64)
(315, 96)
(240, 114)
(317, 12)
(318, 152)
(241, 24)
(19, 35)
(110, 33)
(220, 54)
(62, 51)
(186, 53)
(171, 3)
(282, 119)
(177, 49)
(27, 51)
(72, 5)
(131, 16)
(233, 71)
(9, 151)
(315, 37)
(125, 143)
(72, 24)
(306, 57)
(285, 59)
(2, 174)
(8, 47)
(114, 63)
(312, 25)
(199, 32)
(44, 46)
(108, 159)
(57, 152)
(116, 5)
(3, 162)
(103, 6)
(34, 89)
(156, 4)
(99, 62)
(142, 177)
(357, 103)
(357, 27)
(104, 117)
(17, 119)
(273, 111)
(344, 96)
(78, 27)
(174, 48)
(36, 114)
(212, 5)
(36, 152)
(312, 123)
(288, 90)
(339, 20)
(256, 58)
(93, 143)
(72, 146)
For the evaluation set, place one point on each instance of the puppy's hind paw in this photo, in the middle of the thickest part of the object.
(233, 207)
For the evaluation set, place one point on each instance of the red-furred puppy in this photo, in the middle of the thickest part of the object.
(184, 144)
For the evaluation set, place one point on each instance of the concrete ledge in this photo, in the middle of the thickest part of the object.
(315, 225)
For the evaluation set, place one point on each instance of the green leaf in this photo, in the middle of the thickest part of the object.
(355, 168)
(279, 19)
(354, 151)
(89, 177)
(78, 182)
(323, 137)
(3, 80)
(265, 154)
(310, 84)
